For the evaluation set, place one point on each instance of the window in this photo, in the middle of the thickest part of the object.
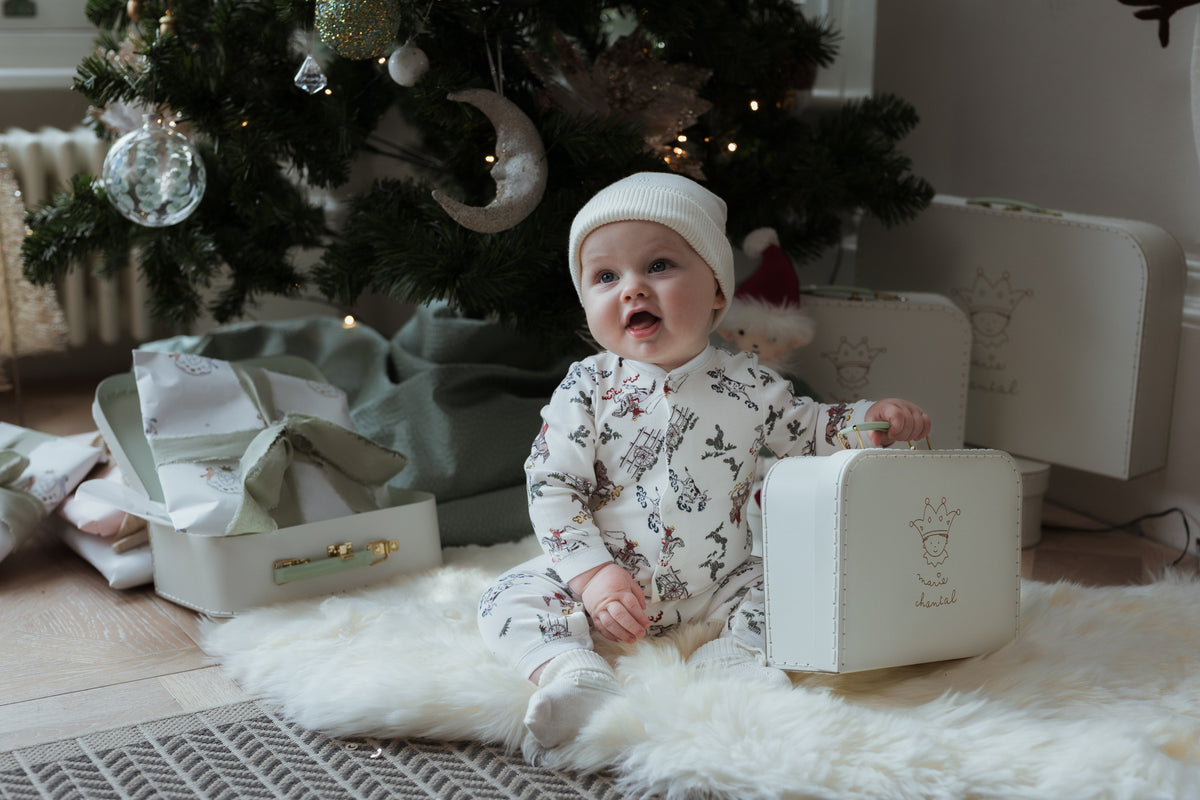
(851, 75)
(41, 42)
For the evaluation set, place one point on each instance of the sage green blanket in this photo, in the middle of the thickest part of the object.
(461, 398)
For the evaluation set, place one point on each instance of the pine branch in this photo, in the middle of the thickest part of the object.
(269, 148)
(70, 227)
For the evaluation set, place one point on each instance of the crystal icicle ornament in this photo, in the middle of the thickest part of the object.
(153, 176)
(309, 77)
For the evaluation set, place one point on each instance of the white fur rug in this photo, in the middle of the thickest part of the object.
(1099, 697)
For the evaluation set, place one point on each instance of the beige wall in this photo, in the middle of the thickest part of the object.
(1069, 104)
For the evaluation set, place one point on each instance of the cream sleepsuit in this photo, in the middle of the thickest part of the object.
(653, 470)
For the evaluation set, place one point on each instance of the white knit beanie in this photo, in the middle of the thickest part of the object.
(680, 203)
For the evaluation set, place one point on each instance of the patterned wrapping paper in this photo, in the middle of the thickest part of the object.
(105, 520)
(37, 472)
(203, 418)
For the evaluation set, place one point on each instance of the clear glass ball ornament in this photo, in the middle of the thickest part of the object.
(153, 176)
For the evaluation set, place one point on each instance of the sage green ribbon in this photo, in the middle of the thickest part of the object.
(19, 510)
(354, 465)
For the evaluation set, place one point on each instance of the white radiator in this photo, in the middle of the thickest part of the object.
(96, 309)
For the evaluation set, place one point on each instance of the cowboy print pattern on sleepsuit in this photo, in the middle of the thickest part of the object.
(653, 470)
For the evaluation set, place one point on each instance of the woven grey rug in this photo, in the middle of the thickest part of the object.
(248, 751)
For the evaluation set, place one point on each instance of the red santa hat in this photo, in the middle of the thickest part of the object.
(769, 300)
(774, 282)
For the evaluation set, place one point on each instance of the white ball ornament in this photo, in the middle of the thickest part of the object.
(408, 64)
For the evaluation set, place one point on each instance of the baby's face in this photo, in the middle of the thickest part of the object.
(647, 295)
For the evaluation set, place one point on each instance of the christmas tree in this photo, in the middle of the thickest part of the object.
(520, 110)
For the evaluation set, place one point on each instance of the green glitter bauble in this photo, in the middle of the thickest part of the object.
(358, 29)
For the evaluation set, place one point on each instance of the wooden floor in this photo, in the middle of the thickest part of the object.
(78, 657)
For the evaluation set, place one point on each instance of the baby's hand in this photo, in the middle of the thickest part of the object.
(906, 422)
(615, 601)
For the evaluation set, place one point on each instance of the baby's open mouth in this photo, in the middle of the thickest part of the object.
(641, 321)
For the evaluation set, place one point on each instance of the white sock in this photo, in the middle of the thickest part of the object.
(572, 687)
(741, 660)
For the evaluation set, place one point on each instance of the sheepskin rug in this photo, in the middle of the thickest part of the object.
(1099, 697)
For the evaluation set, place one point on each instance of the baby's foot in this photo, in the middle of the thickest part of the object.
(572, 687)
(740, 660)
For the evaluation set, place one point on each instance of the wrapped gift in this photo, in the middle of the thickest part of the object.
(37, 472)
(98, 517)
(106, 536)
(245, 450)
(124, 569)
(271, 559)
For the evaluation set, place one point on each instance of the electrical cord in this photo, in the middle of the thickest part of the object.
(1133, 523)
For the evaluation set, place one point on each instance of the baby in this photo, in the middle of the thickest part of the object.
(639, 478)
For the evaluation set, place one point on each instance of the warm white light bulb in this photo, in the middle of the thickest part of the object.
(348, 321)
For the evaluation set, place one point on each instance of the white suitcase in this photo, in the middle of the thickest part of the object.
(1076, 325)
(884, 557)
(871, 345)
(224, 575)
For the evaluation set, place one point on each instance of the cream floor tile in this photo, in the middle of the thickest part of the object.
(63, 716)
(203, 688)
(64, 630)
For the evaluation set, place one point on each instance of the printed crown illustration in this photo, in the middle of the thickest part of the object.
(935, 520)
(997, 295)
(858, 354)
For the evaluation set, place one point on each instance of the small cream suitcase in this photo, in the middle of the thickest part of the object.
(224, 575)
(884, 557)
(1076, 325)
(871, 345)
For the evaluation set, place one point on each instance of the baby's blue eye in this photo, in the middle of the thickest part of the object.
(658, 266)
(606, 277)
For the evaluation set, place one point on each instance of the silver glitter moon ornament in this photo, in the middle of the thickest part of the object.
(520, 171)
